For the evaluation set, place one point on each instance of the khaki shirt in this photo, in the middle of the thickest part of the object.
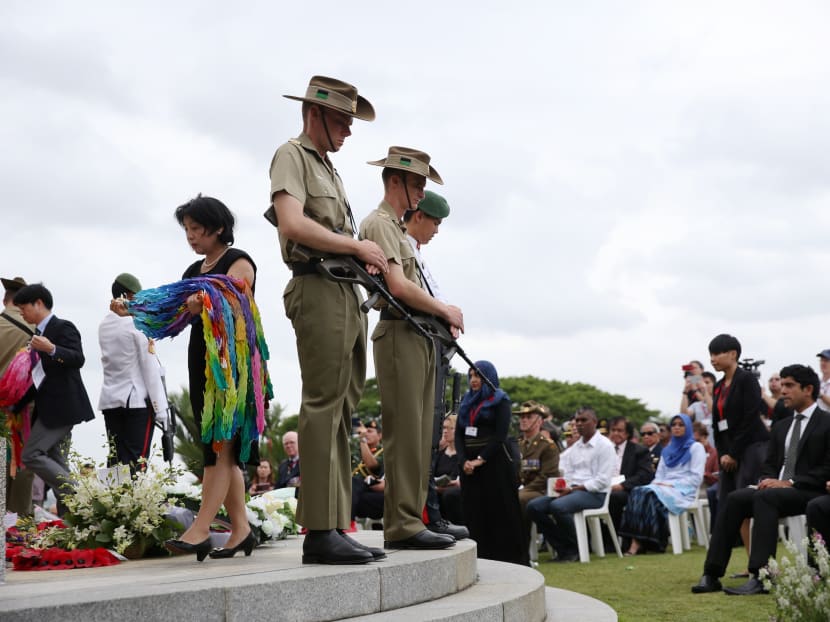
(298, 169)
(540, 460)
(384, 228)
(11, 337)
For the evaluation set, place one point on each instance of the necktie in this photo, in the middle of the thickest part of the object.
(37, 331)
(792, 448)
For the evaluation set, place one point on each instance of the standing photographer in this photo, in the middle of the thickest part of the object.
(692, 384)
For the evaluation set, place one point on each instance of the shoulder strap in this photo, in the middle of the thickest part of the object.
(20, 325)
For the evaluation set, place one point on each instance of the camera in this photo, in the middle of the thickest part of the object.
(752, 365)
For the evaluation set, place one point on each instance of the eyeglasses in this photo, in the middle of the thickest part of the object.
(652, 433)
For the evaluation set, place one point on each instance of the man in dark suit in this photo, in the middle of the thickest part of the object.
(796, 468)
(288, 472)
(818, 516)
(633, 461)
(60, 398)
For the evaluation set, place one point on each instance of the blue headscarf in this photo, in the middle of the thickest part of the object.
(479, 405)
(679, 450)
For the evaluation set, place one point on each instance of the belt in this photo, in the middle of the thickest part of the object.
(389, 314)
(304, 268)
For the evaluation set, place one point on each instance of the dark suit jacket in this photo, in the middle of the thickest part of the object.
(636, 466)
(61, 398)
(812, 467)
(285, 474)
(741, 411)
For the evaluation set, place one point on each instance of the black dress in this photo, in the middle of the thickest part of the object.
(449, 498)
(489, 497)
(197, 351)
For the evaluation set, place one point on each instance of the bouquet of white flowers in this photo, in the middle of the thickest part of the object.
(273, 514)
(115, 510)
(801, 592)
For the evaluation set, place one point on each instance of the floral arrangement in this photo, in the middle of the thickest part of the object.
(23, 540)
(273, 515)
(127, 515)
(801, 592)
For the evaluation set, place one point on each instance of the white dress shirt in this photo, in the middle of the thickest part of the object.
(132, 373)
(431, 282)
(590, 464)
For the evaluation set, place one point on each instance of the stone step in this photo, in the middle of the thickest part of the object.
(272, 584)
(502, 593)
(565, 606)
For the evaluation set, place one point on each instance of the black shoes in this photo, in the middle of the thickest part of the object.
(180, 547)
(459, 532)
(247, 545)
(329, 547)
(425, 539)
(750, 588)
(566, 558)
(376, 553)
(707, 584)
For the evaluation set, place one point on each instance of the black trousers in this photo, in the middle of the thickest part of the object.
(130, 434)
(818, 517)
(365, 503)
(765, 507)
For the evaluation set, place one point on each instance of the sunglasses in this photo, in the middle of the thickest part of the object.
(647, 433)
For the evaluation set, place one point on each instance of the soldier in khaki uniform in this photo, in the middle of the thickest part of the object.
(404, 360)
(540, 456)
(310, 208)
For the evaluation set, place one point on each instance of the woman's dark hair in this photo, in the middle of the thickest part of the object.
(272, 476)
(725, 343)
(211, 213)
(804, 376)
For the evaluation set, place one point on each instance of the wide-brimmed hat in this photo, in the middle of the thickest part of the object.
(532, 406)
(434, 205)
(337, 95)
(409, 160)
(12, 285)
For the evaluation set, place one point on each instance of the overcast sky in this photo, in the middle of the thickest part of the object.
(627, 179)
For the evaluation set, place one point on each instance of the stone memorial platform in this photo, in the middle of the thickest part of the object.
(274, 585)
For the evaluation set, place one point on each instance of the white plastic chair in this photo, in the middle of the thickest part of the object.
(794, 529)
(585, 518)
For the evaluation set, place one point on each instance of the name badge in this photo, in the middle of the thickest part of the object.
(723, 425)
(471, 430)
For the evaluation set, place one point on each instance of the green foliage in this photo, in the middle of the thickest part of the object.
(190, 450)
(565, 398)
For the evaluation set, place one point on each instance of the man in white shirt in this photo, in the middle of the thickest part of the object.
(588, 466)
(132, 393)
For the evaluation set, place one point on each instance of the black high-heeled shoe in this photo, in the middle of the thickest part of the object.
(180, 547)
(247, 545)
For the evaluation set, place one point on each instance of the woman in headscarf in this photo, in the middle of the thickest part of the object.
(489, 496)
(674, 489)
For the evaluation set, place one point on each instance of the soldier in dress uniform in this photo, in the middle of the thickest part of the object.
(310, 208)
(540, 456)
(405, 360)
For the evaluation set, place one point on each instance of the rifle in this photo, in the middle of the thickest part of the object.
(456, 391)
(349, 269)
(168, 428)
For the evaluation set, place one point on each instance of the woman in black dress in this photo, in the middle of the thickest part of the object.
(489, 488)
(208, 224)
(445, 469)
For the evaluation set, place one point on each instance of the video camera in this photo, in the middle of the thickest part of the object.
(752, 365)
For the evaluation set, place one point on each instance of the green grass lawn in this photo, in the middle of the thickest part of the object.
(653, 587)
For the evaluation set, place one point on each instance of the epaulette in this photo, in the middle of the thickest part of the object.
(294, 141)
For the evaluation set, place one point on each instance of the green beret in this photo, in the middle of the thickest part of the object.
(434, 205)
(128, 282)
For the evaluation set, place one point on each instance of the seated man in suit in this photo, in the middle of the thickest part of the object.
(288, 472)
(633, 461)
(60, 398)
(796, 469)
(650, 437)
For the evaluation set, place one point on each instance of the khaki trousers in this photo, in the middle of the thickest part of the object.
(331, 347)
(405, 368)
